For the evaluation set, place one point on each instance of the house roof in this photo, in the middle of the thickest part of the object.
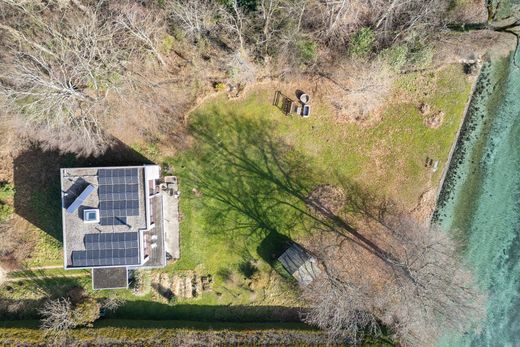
(118, 193)
(124, 226)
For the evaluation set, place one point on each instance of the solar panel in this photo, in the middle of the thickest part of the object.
(107, 249)
(111, 240)
(118, 193)
(112, 220)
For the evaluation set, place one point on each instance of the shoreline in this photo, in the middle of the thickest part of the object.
(481, 207)
(472, 129)
(449, 161)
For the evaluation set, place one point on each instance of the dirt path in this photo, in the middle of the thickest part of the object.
(33, 268)
(5, 274)
(47, 267)
(27, 278)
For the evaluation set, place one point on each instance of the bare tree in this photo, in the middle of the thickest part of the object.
(57, 316)
(58, 70)
(272, 13)
(423, 293)
(112, 303)
(398, 18)
(440, 294)
(60, 315)
(332, 22)
(143, 25)
(358, 88)
(57, 80)
(196, 18)
(235, 23)
(340, 309)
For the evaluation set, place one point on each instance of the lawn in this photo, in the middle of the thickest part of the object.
(227, 194)
(245, 178)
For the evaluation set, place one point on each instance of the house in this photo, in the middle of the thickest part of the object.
(113, 221)
(300, 264)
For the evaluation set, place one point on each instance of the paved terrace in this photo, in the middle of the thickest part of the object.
(157, 256)
(170, 192)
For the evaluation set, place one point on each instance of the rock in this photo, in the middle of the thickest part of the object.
(424, 109)
(435, 120)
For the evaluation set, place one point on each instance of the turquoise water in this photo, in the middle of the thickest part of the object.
(482, 203)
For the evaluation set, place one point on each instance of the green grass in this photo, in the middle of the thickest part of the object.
(48, 250)
(6, 195)
(173, 332)
(230, 180)
(394, 148)
(165, 332)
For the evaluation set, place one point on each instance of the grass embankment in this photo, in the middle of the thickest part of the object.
(146, 332)
(472, 144)
(244, 181)
(136, 332)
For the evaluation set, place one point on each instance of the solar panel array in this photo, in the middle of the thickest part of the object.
(108, 249)
(118, 193)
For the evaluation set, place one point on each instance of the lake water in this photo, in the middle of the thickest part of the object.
(482, 203)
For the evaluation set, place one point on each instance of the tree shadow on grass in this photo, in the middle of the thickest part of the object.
(236, 164)
(37, 181)
(255, 184)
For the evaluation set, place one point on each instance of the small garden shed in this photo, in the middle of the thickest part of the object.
(300, 264)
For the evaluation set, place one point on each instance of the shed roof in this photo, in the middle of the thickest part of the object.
(300, 264)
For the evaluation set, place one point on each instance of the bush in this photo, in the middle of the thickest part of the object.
(362, 43)
(420, 53)
(5, 212)
(416, 54)
(248, 269)
(86, 312)
(167, 44)
(396, 56)
(306, 50)
(6, 192)
(219, 86)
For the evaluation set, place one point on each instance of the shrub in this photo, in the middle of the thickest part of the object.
(396, 56)
(167, 44)
(6, 192)
(5, 212)
(362, 42)
(224, 274)
(220, 86)
(112, 303)
(420, 53)
(86, 312)
(306, 50)
(248, 269)
(416, 53)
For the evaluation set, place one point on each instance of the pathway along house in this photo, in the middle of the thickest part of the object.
(113, 221)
